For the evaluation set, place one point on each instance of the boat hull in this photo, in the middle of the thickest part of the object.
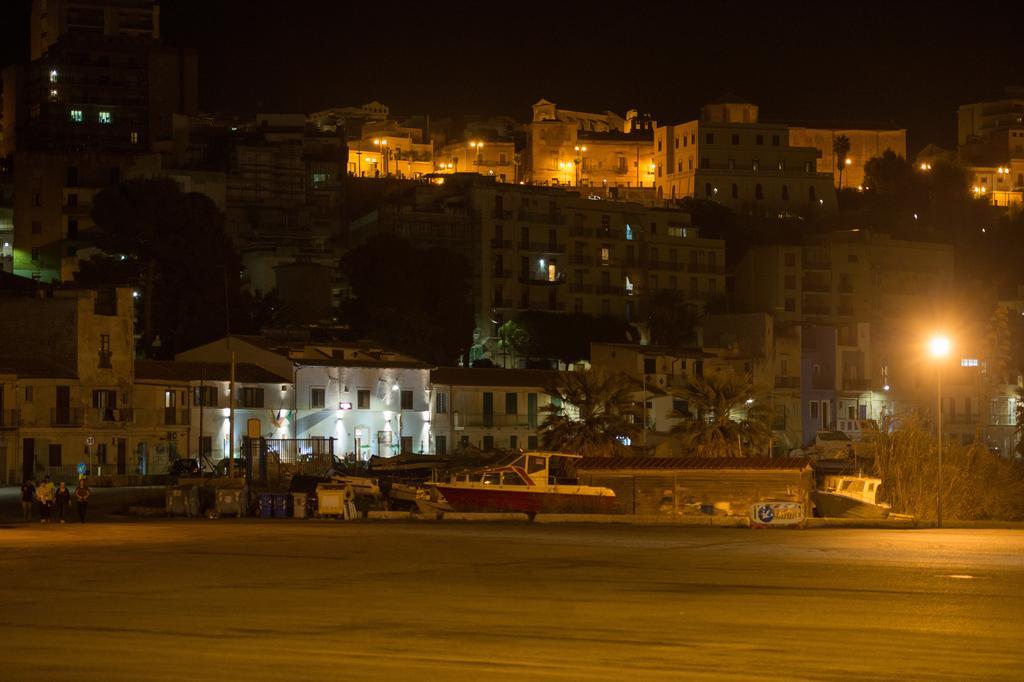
(526, 501)
(834, 506)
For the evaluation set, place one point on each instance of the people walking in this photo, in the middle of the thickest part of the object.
(82, 493)
(44, 493)
(28, 496)
(62, 500)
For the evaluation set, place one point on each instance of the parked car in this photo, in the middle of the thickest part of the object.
(239, 464)
(185, 467)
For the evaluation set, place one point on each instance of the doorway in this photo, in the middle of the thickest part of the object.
(122, 456)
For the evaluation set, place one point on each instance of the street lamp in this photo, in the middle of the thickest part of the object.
(382, 145)
(478, 147)
(939, 348)
(578, 161)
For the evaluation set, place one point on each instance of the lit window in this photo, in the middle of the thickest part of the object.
(676, 231)
(969, 362)
(53, 93)
(135, 137)
(53, 76)
(629, 232)
(104, 117)
(605, 255)
(76, 115)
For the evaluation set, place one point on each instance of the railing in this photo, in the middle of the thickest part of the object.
(787, 382)
(176, 417)
(10, 419)
(816, 287)
(700, 268)
(1003, 420)
(817, 263)
(68, 417)
(111, 415)
(543, 247)
(537, 217)
(501, 243)
(497, 420)
(542, 279)
(580, 231)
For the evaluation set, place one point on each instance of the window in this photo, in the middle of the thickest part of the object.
(735, 191)
(605, 255)
(204, 396)
(28, 394)
(814, 409)
(693, 138)
(531, 442)
(76, 115)
(969, 362)
(811, 194)
(759, 140)
(709, 138)
(758, 191)
(708, 190)
(790, 305)
(363, 399)
(705, 162)
(731, 164)
(489, 445)
(441, 403)
(35, 253)
(73, 199)
(440, 445)
(317, 398)
(250, 397)
(54, 455)
(650, 365)
(790, 259)
(659, 144)
(807, 167)
(37, 199)
(406, 397)
(775, 140)
(785, 193)
(606, 307)
(134, 137)
(735, 138)
(105, 353)
(781, 165)
(206, 446)
(72, 228)
(755, 165)
(513, 442)
(511, 403)
(577, 305)
(104, 117)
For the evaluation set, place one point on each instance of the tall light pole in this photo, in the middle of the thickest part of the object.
(579, 149)
(939, 347)
(382, 145)
(478, 147)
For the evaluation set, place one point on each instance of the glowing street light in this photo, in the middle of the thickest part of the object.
(939, 347)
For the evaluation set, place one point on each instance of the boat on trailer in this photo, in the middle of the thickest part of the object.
(533, 482)
(851, 497)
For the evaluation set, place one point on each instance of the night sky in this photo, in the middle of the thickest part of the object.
(906, 63)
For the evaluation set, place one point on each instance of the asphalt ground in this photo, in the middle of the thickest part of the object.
(253, 599)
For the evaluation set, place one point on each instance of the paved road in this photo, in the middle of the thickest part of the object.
(252, 599)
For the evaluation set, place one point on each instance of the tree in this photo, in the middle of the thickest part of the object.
(841, 147)
(414, 300)
(566, 337)
(592, 413)
(176, 253)
(731, 419)
(512, 340)
(670, 321)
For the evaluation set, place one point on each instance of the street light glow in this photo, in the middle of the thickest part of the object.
(939, 346)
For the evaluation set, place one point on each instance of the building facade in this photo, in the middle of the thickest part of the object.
(865, 143)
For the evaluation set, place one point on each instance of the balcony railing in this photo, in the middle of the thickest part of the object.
(787, 382)
(176, 417)
(811, 309)
(68, 417)
(542, 279)
(581, 288)
(538, 217)
(961, 419)
(609, 289)
(701, 268)
(580, 231)
(10, 419)
(111, 416)
(496, 420)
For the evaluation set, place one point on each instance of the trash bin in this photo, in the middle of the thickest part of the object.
(282, 505)
(299, 501)
(266, 505)
(231, 501)
(331, 499)
(182, 500)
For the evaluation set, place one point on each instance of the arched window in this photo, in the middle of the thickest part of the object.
(811, 194)
(785, 192)
(758, 191)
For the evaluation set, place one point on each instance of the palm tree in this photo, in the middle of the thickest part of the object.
(731, 420)
(841, 147)
(592, 413)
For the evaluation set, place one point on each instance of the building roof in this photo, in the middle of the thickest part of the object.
(669, 463)
(34, 368)
(168, 370)
(492, 376)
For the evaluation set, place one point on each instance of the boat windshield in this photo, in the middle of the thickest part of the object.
(492, 478)
(512, 478)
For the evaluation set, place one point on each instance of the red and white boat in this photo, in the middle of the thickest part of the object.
(532, 483)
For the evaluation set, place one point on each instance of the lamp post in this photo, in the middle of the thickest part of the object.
(939, 347)
(382, 145)
(478, 148)
(579, 149)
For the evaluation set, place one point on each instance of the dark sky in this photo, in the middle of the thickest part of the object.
(906, 62)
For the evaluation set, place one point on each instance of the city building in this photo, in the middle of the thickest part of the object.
(866, 142)
(370, 400)
(990, 138)
(566, 147)
(489, 408)
(536, 248)
(730, 157)
(483, 155)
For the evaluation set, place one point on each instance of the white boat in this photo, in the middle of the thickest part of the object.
(852, 497)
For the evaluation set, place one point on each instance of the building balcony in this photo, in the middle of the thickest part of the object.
(10, 419)
(581, 288)
(501, 244)
(176, 417)
(537, 217)
(65, 417)
(109, 416)
(787, 382)
(516, 421)
(580, 231)
(816, 287)
(856, 384)
(542, 279)
(541, 247)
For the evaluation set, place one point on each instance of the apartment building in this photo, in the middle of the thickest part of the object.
(990, 139)
(371, 401)
(729, 156)
(536, 248)
(489, 408)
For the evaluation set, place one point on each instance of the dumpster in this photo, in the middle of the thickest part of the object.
(282, 505)
(266, 505)
(182, 500)
(299, 501)
(331, 499)
(232, 501)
